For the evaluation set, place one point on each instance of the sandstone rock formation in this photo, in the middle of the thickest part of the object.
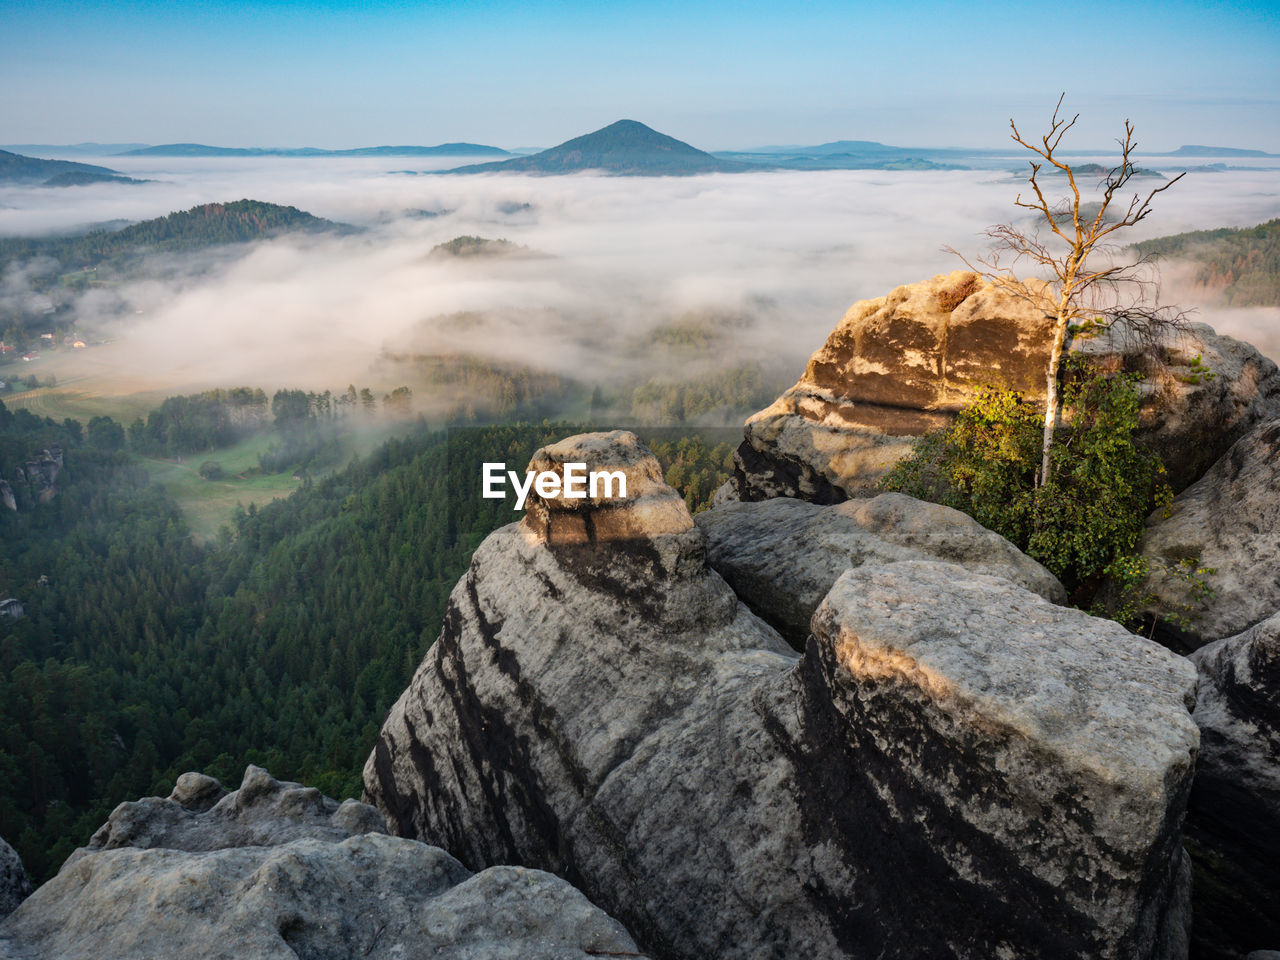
(782, 556)
(954, 768)
(1233, 821)
(1230, 521)
(898, 366)
(14, 885)
(275, 870)
(201, 815)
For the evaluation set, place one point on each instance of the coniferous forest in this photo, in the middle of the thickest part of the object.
(142, 654)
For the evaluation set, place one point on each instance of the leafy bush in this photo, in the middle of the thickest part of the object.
(211, 470)
(1089, 517)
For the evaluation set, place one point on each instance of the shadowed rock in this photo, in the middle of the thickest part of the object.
(782, 556)
(954, 768)
(1229, 522)
(902, 365)
(275, 870)
(14, 884)
(1233, 821)
(200, 815)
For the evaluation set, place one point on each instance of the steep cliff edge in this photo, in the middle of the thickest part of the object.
(955, 767)
(275, 870)
(901, 365)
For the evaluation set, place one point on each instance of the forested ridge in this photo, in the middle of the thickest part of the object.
(283, 643)
(206, 225)
(1244, 263)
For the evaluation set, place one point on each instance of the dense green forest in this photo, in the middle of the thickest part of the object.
(1244, 264)
(143, 654)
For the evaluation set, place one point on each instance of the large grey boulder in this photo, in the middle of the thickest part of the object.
(954, 768)
(1233, 820)
(1229, 523)
(782, 556)
(15, 886)
(274, 870)
(901, 365)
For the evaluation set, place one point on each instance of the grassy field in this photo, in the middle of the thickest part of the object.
(89, 384)
(209, 504)
(63, 402)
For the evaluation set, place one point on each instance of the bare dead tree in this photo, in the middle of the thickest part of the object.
(1073, 289)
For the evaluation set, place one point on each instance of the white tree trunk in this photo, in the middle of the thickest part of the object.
(1052, 402)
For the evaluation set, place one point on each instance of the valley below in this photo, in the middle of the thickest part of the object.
(777, 701)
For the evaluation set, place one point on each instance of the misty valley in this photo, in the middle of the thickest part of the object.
(249, 399)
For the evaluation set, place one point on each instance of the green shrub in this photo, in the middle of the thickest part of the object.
(1089, 516)
(211, 470)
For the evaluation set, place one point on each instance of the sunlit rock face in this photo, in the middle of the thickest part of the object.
(902, 365)
(650, 507)
(275, 870)
(1227, 524)
(782, 556)
(1233, 823)
(954, 767)
(14, 885)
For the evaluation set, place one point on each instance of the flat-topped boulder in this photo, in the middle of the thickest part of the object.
(1012, 784)
(649, 506)
(1233, 819)
(275, 870)
(899, 366)
(782, 556)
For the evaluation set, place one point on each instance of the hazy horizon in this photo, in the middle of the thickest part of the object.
(718, 75)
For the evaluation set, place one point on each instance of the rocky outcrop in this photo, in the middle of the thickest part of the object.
(36, 478)
(1228, 523)
(275, 870)
(782, 556)
(955, 767)
(14, 884)
(200, 815)
(899, 366)
(1233, 822)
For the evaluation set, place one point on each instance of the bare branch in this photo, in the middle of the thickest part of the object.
(1117, 294)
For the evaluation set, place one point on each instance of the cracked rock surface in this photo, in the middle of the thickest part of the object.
(782, 556)
(953, 768)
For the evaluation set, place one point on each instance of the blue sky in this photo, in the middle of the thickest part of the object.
(720, 75)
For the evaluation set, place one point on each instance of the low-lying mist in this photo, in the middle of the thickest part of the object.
(743, 268)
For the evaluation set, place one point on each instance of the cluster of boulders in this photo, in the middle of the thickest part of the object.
(275, 869)
(812, 721)
(954, 766)
(817, 721)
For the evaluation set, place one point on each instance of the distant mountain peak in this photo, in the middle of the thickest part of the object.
(623, 148)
